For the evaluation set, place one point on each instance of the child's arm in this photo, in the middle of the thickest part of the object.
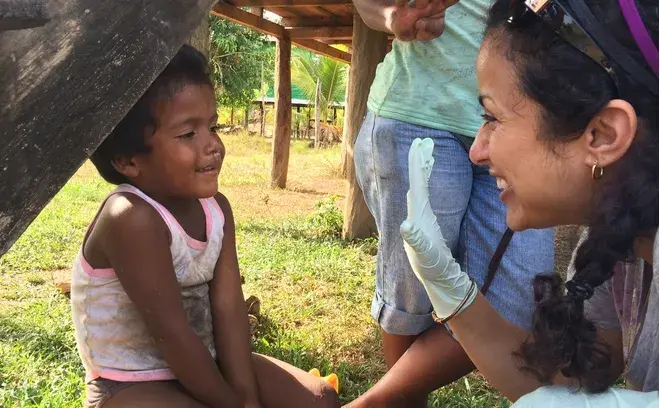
(136, 241)
(230, 322)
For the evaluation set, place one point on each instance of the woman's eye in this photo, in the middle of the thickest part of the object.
(488, 118)
(186, 135)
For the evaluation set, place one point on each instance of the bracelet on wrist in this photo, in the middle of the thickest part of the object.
(468, 295)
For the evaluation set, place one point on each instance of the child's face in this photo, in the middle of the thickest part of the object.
(186, 153)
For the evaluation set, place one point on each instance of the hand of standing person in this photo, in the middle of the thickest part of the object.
(408, 20)
(420, 20)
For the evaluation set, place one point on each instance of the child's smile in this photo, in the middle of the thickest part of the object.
(212, 169)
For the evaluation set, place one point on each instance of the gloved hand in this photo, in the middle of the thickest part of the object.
(449, 289)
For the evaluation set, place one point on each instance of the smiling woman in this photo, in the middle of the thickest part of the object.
(572, 139)
(568, 133)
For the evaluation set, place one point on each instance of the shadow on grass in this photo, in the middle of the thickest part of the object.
(354, 379)
(309, 191)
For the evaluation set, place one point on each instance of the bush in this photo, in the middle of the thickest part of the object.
(327, 220)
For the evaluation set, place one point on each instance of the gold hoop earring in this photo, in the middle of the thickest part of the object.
(597, 171)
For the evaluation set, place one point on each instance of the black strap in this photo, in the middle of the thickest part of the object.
(615, 52)
(496, 259)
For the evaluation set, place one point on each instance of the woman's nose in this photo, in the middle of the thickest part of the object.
(479, 152)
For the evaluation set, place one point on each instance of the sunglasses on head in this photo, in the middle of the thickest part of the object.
(556, 17)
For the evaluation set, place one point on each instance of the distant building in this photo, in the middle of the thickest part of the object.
(298, 98)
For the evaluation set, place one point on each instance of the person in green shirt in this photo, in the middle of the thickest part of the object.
(426, 88)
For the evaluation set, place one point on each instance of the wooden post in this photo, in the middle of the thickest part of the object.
(344, 139)
(262, 117)
(317, 114)
(309, 120)
(297, 133)
(282, 133)
(358, 221)
(246, 122)
(66, 85)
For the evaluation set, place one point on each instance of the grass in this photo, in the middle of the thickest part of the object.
(315, 288)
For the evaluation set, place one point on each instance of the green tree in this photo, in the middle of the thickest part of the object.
(307, 68)
(237, 57)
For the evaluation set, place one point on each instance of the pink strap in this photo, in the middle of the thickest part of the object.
(169, 219)
(165, 215)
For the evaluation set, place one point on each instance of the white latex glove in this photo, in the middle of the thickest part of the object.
(431, 260)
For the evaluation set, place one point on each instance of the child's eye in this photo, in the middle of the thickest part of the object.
(186, 135)
(214, 129)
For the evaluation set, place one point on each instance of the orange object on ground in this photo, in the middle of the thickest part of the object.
(331, 379)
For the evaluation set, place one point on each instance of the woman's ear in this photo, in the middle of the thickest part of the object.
(610, 133)
(127, 166)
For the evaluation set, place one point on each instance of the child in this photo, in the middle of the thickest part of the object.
(158, 309)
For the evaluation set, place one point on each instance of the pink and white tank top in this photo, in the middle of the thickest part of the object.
(111, 335)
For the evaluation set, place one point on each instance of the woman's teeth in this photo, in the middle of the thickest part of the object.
(502, 184)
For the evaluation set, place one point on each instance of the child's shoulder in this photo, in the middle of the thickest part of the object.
(126, 207)
(223, 202)
(125, 212)
(124, 219)
(227, 213)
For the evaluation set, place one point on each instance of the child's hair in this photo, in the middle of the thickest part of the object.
(571, 89)
(129, 137)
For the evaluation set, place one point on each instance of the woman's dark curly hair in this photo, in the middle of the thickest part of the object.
(129, 137)
(571, 88)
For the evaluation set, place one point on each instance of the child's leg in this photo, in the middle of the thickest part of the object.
(282, 385)
(153, 394)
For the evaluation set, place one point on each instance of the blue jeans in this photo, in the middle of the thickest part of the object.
(465, 199)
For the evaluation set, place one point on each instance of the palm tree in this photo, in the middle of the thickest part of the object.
(307, 68)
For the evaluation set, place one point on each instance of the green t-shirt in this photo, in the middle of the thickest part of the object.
(433, 83)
